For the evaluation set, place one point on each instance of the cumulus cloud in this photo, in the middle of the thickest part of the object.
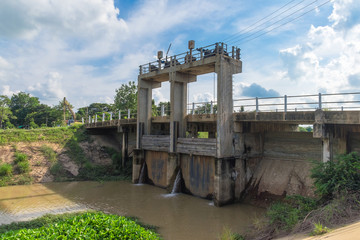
(203, 97)
(255, 90)
(330, 56)
(6, 91)
(51, 89)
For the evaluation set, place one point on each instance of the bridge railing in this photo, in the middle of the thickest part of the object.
(311, 102)
(110, 116)
(193, 56)
(202, 108)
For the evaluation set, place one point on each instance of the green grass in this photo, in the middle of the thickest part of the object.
(54, 135)
(5, 169)
(20, 157)
(88, 225)
(286, 214)
(48, 153)
(23, 167)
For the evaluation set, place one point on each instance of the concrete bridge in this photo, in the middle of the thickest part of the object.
(253, 145)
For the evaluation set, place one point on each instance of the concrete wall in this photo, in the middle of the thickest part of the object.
(285, 167)
(198, 174)
(157, 167)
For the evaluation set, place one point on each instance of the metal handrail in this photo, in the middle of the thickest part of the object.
(188, 57)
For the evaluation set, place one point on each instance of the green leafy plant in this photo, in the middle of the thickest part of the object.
(88, 225)
(332, 177)
(6, 169)
(23, 167)
(49, 153)
(227, 234)
(286, 214)
(319, 229)
(20, 157)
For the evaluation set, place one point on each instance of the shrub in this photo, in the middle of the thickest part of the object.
(20, 157)
(319, 229)
(285, 215)
(5, 169)
(49, 153)
(85, 226)
(24, 166)
(332, 177)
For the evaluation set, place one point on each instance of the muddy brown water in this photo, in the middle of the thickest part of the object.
(178, 216)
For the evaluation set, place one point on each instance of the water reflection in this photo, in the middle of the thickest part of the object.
(178, 216)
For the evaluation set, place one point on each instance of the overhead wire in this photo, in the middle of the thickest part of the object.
(274, 23)
(254, 24)
(291, 20)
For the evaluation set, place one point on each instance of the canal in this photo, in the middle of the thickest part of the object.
(178, 216)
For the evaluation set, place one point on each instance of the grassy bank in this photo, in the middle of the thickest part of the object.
(18, 171)
(337, 202)
(87, 225)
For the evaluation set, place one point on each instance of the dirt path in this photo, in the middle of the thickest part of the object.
(350, 232)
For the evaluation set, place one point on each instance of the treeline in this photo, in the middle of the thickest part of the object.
(22, 110)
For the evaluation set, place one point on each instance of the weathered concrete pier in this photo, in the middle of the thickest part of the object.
(257, 151)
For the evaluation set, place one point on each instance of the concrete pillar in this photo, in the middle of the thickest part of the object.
(223, 182)
(225, 149)
(144, 107)
(125, 147)
(225, 68)
(178, 104)
(326, 153)
(138, 160)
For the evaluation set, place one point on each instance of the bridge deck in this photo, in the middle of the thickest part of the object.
(310, 117)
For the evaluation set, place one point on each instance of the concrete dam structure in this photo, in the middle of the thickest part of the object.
(259, 152)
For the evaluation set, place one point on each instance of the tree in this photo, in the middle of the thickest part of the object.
(21, 105)
(205, 109)
(126, 97)
(5, 112)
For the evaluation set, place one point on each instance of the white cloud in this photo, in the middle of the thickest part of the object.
(49, 90)
(329, 56)
(6, 91)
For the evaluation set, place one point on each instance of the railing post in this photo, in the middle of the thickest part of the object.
(233, 52)
(103, 117)
(285, 103)
(211, 108)
(238, 53)
(162, 110)
(89, 119)
(201, 54)
(257, 104)
(193, 109)
(82, 120)
(342, 108)
(320, 103)
(111, 116)
(222, 48)
(96, 118)
(140, 70)
(129, 113)
(119, 114)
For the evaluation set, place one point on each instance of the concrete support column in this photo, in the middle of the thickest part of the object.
(178, 104)
(138, 160)
(225, 149)
(125, 147)
(326, 153)
(225, 69)
(144, 107)
(223, 181)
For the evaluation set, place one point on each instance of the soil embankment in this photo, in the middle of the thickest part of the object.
(36, 156)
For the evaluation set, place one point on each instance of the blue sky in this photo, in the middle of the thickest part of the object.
(85, 49)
